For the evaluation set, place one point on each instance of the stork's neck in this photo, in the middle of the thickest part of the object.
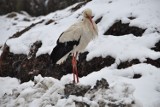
(90, 24)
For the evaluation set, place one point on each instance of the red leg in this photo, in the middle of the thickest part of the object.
(74, 68)
(77, 74)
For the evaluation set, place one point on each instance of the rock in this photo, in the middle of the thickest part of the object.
(136, 76)
(156, 47)
(26, 19)
(95, 64)
(11, 15)
(73, 89)
(81, 104)
(154, 62)
(49, 22)
(98, 20)
(119, 28)
(100, 84)
(126, 64)
(33, 49)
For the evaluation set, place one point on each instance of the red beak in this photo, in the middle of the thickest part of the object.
(90, 19)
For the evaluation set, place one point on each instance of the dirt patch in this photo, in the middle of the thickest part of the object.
(119, 28)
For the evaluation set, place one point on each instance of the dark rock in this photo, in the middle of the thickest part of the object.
(100, 84)
(49, 22)
(19, 66)
(26, 19)
(136, 76)
(98, 20)
(156, 47)
(95, 64)
(126, 64)
(103, 84)
(81, 104)
(131, 17)
(9, 64)
(81, 90)
(12, 15)
(119, 28)
(155, 62)
(73, 89)
(34, 48)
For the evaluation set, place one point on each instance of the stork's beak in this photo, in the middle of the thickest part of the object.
(90, 18)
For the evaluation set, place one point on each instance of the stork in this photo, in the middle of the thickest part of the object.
(74, 40)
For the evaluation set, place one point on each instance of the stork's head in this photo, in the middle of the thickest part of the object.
(87, 13)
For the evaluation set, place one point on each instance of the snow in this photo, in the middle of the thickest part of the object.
(124, 47)
(48, 92)
(145, 87)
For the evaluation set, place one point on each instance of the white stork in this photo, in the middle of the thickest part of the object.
(74, 40)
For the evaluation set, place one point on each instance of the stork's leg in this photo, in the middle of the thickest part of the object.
(74, 68)
(77, 74)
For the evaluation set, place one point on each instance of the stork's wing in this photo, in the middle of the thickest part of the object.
(73, 33)
(66, 42)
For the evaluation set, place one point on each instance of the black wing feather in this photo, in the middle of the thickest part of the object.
(62, 49)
